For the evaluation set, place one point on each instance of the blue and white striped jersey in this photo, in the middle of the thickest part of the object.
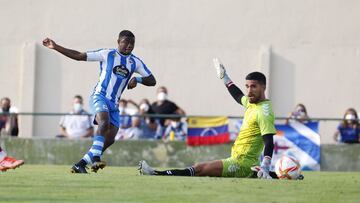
(115, 71)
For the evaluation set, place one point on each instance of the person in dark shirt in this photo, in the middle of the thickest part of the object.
(348, 130)
(164, 106)
(8, 118)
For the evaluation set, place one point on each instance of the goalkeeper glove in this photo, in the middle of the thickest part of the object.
(263, 173)
(220, 71)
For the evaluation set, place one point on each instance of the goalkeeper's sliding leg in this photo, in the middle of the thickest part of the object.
(211, 168)
(229, 167)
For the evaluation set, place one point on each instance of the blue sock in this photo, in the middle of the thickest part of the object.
(95, 150)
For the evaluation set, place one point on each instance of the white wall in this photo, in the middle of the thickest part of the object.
(315, 51)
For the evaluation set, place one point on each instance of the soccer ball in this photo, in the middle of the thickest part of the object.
(287, 168)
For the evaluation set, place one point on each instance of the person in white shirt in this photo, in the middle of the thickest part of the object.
(78, 124)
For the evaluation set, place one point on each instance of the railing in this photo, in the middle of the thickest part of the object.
(161, 116)
(46, 124)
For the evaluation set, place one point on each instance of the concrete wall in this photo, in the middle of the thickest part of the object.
(314, 52)
(157, 153)
(124, 153)
(342, 157)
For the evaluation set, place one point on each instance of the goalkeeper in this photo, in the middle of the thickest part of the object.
(256, 132)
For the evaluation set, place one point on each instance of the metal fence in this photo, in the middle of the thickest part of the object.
(46, 124)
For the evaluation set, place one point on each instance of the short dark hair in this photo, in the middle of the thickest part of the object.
(257, 76)
(78, 97)
(162, 88)
(126, 33)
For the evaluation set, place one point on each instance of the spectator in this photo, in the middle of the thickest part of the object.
(299, 114)
(125, 128)
(145, 126)
(8, 123)
(164, 106)
(78, 124)
(176, 130)
(348, 130)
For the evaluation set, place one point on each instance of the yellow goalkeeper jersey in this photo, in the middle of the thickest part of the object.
(258, 120)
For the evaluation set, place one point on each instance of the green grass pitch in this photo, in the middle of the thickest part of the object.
(39, 183)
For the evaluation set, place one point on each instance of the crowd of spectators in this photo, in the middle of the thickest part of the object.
(348, 130)
(137, 120)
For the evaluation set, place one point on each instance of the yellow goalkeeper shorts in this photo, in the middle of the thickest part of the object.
(239, 168)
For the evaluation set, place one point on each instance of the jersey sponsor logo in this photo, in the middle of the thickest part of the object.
(121, 71)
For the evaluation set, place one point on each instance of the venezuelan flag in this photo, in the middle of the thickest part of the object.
(207, 131)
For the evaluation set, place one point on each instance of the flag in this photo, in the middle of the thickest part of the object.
(207, 131)
(300, 140)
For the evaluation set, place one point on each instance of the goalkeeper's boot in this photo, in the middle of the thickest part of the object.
(9, 162)
(76, 168)
(254, 169)
(145, 169)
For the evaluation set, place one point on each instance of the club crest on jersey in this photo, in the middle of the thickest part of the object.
(121, 71)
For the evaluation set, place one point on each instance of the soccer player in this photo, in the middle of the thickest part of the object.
(116, 69)
(8, 162)
(256, 132)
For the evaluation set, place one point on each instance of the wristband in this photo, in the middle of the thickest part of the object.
(266, 162)
(227, 80)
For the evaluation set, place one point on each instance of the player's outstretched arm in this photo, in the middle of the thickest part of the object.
(147, 81)
(76, 55)
(235, 92)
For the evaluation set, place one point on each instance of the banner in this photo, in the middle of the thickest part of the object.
(207, 131)
(299, 140)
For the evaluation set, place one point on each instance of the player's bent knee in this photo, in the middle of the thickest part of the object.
(103, 126)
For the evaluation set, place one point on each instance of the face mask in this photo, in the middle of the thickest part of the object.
(6, 109)
(144, 107)
(121, 109)
(162, 96)
(77, 107)
(350, 117)
(301, 114)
